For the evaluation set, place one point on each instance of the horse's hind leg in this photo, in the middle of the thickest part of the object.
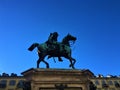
(38, 62)
(42, 59)
(47, 65)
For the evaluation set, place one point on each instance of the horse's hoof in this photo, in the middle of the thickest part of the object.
(61, 60)
(70, 65)
(47, 67)
(37, 67)
(73, 67)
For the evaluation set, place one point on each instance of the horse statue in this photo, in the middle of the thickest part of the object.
(63, 51)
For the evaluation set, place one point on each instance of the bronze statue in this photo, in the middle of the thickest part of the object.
(56, 49)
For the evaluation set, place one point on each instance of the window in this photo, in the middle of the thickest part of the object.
(104, 84)
(12, 82)
(3, 83)
(110, 82)
(116, 84)
(97, 82)
(20, 84)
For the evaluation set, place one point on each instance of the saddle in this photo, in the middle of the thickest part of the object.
(53, 47)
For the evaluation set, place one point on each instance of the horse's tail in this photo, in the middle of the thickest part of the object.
(34, 45)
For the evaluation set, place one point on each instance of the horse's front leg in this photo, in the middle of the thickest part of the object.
(38, 62)
(72, 63)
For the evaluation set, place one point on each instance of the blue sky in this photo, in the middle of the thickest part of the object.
(95, 23)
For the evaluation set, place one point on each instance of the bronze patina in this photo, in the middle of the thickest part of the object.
(53, 48)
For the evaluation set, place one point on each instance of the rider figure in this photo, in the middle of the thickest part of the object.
(52, 42)
(52, 39)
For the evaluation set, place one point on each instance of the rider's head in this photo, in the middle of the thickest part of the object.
(55, 33)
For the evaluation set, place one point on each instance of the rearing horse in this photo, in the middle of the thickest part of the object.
(64, 51)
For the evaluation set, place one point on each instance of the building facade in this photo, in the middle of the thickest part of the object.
(11, 83)
(58, 79)
(106, 83)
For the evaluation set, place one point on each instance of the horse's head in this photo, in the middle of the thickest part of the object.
(69, 38)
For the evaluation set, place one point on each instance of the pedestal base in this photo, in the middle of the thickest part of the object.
(58, 79)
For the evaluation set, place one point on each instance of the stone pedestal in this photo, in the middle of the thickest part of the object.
(58, 79)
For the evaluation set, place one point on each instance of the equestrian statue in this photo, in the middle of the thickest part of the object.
(53, 48)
